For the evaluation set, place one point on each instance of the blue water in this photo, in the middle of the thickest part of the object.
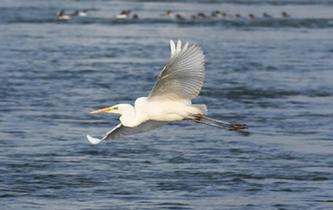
(273, 74)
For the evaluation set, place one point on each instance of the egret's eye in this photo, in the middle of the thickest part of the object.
(115, 108)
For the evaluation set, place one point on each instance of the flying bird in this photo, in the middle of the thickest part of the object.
(179, 82)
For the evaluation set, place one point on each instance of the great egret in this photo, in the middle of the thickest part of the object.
(170, 99)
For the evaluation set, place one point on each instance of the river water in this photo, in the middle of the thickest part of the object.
(275, 74)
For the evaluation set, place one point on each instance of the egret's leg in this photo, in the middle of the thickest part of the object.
(230, 125)
(219, 123)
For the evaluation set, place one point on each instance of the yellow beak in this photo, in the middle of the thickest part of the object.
(107, 109)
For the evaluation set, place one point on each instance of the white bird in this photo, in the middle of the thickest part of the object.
(179, 82)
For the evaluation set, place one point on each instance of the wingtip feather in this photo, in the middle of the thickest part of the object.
(179, 46)
(172, 47)
(185, 46)
(93, 140)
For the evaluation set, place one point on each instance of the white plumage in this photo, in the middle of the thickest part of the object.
(170, 99)
(183, 76)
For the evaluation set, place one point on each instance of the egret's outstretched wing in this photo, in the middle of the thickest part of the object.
(183, 76)
(121, 130)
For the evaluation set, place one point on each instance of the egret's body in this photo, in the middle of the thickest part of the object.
(164, 111)
(170, 99)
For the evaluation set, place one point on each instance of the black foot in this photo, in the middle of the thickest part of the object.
(237, 126)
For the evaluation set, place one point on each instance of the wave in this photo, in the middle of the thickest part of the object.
(252, 93)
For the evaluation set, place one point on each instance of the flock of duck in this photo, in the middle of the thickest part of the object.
(129, 15)
(218, 14)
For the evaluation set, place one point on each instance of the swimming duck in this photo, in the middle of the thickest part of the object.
(285, 14)
(265, 15)
(82, 13)
(251, 16)
(224, 14)
(216, 14)
(135, 16)
(194, 17)
(238, 15)
(180, 17)
(167, 13)
(124, 14)
(61, 15)
(202, 15)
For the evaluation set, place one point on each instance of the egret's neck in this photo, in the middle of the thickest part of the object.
(128, 117)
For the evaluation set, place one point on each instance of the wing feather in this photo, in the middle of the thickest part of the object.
(120, 131)
(183, 76)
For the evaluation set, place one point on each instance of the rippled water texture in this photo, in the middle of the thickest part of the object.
(273, 74)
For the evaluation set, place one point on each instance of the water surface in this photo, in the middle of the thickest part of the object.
(273, 74)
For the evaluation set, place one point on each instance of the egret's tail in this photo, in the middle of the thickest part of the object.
(220, 124)
(201, 107)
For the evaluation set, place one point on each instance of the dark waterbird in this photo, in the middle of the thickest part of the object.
(285, 14)
(266, 15)
(251, 16)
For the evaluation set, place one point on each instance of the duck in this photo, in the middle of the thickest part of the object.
(238, 15)
(135, 16)
(251, 16)
(81, 13)
(168, 13)
(216, 14)
(124, 14)
(180, 17)
(266, 15)
(171, 14)
(224, 14)
(202, 15)
(285, 14)
(194, 17)
(61, 15)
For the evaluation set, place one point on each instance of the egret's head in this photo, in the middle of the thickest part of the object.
(116, 109)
